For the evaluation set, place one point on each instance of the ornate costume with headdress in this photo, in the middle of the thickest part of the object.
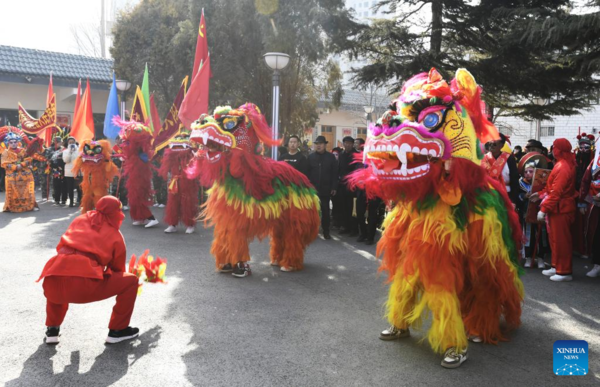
(182, 201)
(98, 170)
(19, 182)
(252, 196)
(451, 243)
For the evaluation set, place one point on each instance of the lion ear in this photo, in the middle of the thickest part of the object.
(466, 83)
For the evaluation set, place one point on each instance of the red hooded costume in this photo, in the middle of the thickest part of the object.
(90, 266)
(558, 202)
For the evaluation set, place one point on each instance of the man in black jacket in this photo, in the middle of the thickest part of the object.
(347, 166)
(323, 174)
(294, 157)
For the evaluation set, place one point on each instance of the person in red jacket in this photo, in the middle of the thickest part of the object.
(89, 267)
(558, 210)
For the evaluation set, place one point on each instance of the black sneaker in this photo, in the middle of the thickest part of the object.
(226, 268)
(361, 238)
(326, 236)
(370, 242)
(52, 335)
(241, 270)
(122, 335)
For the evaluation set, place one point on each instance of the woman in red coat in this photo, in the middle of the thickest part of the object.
(90, 266)
(558, 210)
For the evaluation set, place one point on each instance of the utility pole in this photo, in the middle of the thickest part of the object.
(103, 30)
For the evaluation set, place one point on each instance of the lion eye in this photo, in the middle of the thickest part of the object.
(98, 150)
(433, 119)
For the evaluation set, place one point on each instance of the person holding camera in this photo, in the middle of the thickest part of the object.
(69, 155)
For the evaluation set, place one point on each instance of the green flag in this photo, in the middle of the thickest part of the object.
(146, 93)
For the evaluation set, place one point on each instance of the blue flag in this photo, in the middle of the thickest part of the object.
(111, 130)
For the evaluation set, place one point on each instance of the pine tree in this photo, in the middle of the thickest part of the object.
(521, 51)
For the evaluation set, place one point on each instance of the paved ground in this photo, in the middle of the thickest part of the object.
(318, 327)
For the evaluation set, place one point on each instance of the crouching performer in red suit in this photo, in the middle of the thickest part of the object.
(90, 266)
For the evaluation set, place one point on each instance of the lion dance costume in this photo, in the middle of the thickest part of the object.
(138, 151)
(182, 202)
(17, 161)
(98, 170)
(252, 196)
(451, 243)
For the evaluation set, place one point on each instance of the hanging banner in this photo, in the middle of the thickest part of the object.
(31, 125)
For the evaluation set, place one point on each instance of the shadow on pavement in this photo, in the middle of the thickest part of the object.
(110, 366)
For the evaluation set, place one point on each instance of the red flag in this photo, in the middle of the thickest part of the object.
(46, 135)
(195, 102)
(38, 127)
(50, 91)
(172, 123)
(138, 109)
(77, 99)
(201, 47)
(83, 123)
(154, 114)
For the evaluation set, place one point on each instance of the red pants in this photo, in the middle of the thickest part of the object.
(561, 241)
(62, 291)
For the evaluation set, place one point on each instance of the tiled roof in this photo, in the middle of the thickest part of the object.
(29, 62)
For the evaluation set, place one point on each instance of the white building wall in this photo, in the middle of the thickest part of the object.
(564, 127)
(33, 98)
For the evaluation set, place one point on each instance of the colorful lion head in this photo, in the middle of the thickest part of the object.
(243, 129)
(92, 151)
(431, 128)
(181, 142)
(136, 137)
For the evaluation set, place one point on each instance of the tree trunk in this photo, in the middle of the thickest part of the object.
(436, 27)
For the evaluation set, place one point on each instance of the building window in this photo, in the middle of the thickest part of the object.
(327, 129)
(361, 133)
(546, 131)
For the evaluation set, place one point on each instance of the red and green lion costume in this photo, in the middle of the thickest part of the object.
(451, 243)
(252, 196)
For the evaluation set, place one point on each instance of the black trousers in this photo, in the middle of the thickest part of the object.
(325, 213)
(2, 176)
(367, 225)
(57, 188)
(68, 187)
(348, 221)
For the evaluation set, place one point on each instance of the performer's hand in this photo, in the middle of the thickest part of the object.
(534, 197)
(541, 217)
(582, 210)
(333, 192)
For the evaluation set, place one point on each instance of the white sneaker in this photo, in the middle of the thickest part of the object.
(125, 208)
(561, 278)
(540, 263)
(550, 272)
(36, 208)
(161, 206)
(594, 272)
(152, 223)
(190, 230)
(287, 268)
(527, 262)
(139, 222)
(583, 256)
(171, 229)
(155, 205)
(475, 339)
(453, 359)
